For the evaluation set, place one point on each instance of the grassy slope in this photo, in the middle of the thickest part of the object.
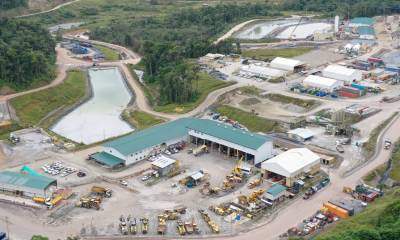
(32, 108)
(395, 173)
(305, 103)
(368, 218)
(251, 121)
(268, 53)
(206, 84)
(109, 54)
(369, 146)
(142, 120)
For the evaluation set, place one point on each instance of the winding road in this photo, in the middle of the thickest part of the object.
(50, 10)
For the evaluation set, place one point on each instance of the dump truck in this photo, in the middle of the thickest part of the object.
(101, 191)
(181, 227)
(199, 150)
(145, 225)
(89, 202)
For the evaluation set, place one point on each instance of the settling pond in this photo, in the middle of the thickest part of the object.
(100, 117)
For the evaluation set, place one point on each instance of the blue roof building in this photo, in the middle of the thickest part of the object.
(361, 21)
(366, 32)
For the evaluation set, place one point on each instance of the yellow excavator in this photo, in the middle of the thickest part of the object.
(237, 170)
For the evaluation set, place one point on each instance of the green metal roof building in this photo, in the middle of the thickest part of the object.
(26, 184)
(366, 32)
(275, 192)
(138, 146)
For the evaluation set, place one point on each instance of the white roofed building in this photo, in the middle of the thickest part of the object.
(301, 134)
(292, 164)
(164, 165)
(287, 64)
(327, 84)
(347, 75)
(261, 71)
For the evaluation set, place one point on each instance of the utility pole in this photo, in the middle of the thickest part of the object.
(7, 226)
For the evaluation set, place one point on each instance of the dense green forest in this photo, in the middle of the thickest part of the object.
(27, 54)
(344, 8)
(379, 221)
(166, 42)
(8, 4)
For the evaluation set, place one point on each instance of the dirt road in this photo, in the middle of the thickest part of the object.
(50, 10)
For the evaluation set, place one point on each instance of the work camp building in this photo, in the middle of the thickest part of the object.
(234, 142)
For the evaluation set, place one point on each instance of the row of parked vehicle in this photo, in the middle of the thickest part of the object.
(58, 168)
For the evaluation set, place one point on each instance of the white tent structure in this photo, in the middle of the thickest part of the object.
(261, 71)
(292, 164)
(327, 84)
(347, 75)
(287, 64)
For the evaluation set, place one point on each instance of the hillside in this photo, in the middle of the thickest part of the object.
(27, 55)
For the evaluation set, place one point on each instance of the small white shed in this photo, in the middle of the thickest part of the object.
(287, 64)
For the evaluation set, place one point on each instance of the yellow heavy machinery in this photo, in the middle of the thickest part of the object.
(255, 183)
(254, 196)
(176, 171)
(237, 170)
(54, 201)
(213, 225)
(218, 210)
(162, 224)
(89, 202)
(208, 190)
(227, 185)
(171, 214)
(181, 227)
(347, 190)
(102, 191)
(189, 227)
(199, 150)
(39, 200)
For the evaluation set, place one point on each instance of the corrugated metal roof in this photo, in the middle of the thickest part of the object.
(337, 69)
(362, 20)
(149, 137)
(276, 189)
(25, 180)
(228, 133)
(364, 30)
(163, 161)
(138, 141)
(107, 159)
(322, 82)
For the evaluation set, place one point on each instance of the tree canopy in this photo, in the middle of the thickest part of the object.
(8, 4)
(27, 54)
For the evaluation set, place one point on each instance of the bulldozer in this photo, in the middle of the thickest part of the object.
(218, 210)
(171, 214)
(208, 190)
(132, 226)
(101, 191)
(227, 185)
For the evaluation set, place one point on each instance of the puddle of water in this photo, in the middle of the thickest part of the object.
(262, 29)
(98, 118)
(305, 30)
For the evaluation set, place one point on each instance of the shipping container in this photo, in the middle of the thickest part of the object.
(358, 86)
(343, 205)
(340, 212)
(347, 94)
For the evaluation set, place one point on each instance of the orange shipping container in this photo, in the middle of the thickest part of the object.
(340, 212)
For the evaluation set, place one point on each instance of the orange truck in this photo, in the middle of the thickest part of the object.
(340, 212)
